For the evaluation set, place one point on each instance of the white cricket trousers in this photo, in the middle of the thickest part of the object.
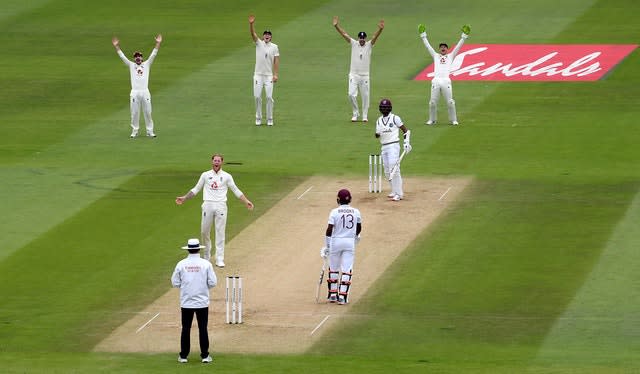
(260, 82)
(342, 254)
(390, 154)
(360, 83)
(213, 212)
(442, 86)
(138, 99)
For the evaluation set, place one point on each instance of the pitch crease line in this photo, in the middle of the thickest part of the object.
(444, 194)
(148, 322)
(321, 323)
(308, 189)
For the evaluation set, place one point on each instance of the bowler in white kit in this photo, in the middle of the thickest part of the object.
(215, 183)
(359, 68)
(441, 83)
(140, 96)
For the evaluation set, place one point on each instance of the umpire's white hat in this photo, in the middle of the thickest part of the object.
(193, 244)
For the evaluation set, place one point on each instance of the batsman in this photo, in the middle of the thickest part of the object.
(387, 131)
(342, 235)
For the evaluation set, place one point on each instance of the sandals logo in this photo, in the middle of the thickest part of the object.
(534, 62)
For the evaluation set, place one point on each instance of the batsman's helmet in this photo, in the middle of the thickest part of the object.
(344, 196)
(385, 106)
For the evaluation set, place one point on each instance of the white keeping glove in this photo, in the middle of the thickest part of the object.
(407, 147)
(324, 252)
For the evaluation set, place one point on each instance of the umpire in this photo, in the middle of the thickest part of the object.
(194, 276)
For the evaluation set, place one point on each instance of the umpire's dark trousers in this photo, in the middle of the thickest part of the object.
(202, 316)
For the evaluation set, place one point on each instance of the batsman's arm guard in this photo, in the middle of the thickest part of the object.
(407, 136)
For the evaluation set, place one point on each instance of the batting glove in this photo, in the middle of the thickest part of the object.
(407, 147)
(357, 239)
(324, 252)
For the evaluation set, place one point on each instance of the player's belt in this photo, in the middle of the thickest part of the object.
(397, 141)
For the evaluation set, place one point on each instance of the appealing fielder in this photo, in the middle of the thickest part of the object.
(342, 234)
(387, 127)
(216, 183)
(441, 83)
(194, 277)
(140, 95)
(359, 69)
(266, 71)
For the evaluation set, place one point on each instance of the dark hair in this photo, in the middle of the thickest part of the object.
(443, 44)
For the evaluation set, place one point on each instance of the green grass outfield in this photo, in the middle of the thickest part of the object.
(534, 270)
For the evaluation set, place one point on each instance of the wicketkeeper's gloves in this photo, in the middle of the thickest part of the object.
(466, 29)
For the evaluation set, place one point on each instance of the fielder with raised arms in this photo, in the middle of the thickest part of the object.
(441, 82)
(265, 72)
(387, 127)
(359, 68)
(342, 234)
(140, 95)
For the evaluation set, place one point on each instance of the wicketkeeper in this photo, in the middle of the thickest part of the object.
(441, 83)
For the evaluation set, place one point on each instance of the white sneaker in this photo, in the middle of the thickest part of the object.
(151, 135)
(258, 122)
(269, 122)
(354, 118)
(134, 133)
(364, 119)
(454, 123)
(391, 195)
(182, 360)
(342, 300)
(207, 359)
(396, 198)
(430, 122)
(332, 299)
(220, 263)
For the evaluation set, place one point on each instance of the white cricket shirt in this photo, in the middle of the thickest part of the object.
(265, 53)
(139, 73)
(360, 57)
(194, 276)
(215, 186)
(388, 127)
(344, 220)
(442, 63)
